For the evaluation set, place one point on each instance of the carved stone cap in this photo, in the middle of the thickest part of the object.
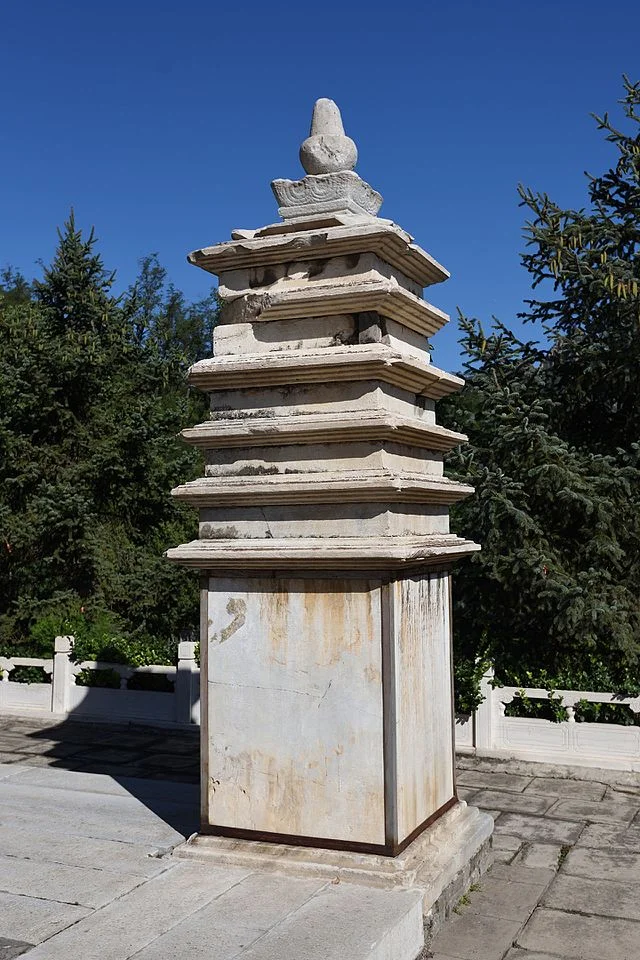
(340, 192)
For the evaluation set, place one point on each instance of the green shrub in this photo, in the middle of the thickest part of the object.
(29, 675)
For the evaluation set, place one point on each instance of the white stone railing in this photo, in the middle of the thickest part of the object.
(63, 697)
(488, 732)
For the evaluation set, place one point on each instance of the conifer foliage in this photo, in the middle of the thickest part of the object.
(554, 427)
(92, 397)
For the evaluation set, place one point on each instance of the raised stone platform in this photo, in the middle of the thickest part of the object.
(441, 863)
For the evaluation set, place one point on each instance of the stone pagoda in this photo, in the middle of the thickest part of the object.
(324, 543)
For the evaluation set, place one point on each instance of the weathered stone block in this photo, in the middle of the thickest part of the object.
(306, 655)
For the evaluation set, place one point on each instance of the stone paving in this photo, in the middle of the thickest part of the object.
(86, 870)
(77, 877)
(565, 881)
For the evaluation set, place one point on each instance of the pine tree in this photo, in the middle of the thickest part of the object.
(592, 259)
(90, 408)
(554, 456)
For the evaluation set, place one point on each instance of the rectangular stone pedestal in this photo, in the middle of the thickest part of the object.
(327, 709)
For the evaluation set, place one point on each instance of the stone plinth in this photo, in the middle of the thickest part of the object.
(324, 540)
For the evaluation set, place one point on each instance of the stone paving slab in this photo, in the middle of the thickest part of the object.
(581, 937)
(623, 791)
(517, 874)
(35, 920)
(82, 886)
(556, 771)
(239, 917)
(544, 856)
(38, 760)
(504, 841)
(605, 835)
(493, 780)
(102, 816)
(516, 954)
(126, 926)
(504, 899)
(568, 837)
(606, 811)
(514, 802)
(12, 769)
(116, 749)
(346, 921)
(79, 780)
(476, 937)
(539, 828)
(52, 747)
(606, 898)
(571, 789)
(614, 863)
(48, 847)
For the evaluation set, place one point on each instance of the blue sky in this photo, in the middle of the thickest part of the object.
(163, 123)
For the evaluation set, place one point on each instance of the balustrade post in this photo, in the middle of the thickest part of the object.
(185, 688)
(61, 675)
(483, 720)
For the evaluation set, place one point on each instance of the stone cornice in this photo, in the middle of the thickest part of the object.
(322, 428)
(315, 553)
(327, 365)
(352, 296)
(343, 486)
(381, 237)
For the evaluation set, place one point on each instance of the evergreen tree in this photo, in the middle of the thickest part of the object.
(14, 287)
(553, 453)
(592, 259)
(90, 407)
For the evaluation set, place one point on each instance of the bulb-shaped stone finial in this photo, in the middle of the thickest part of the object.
(327, 149)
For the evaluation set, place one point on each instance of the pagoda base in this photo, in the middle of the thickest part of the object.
(443, 862)
(327, 712)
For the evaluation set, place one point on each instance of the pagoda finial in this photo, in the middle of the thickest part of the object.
(327, 148)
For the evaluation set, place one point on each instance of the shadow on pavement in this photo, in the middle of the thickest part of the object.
(160, 768)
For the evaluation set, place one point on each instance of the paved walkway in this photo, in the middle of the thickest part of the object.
(89, 814)
(86, 872)
(565, 881)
